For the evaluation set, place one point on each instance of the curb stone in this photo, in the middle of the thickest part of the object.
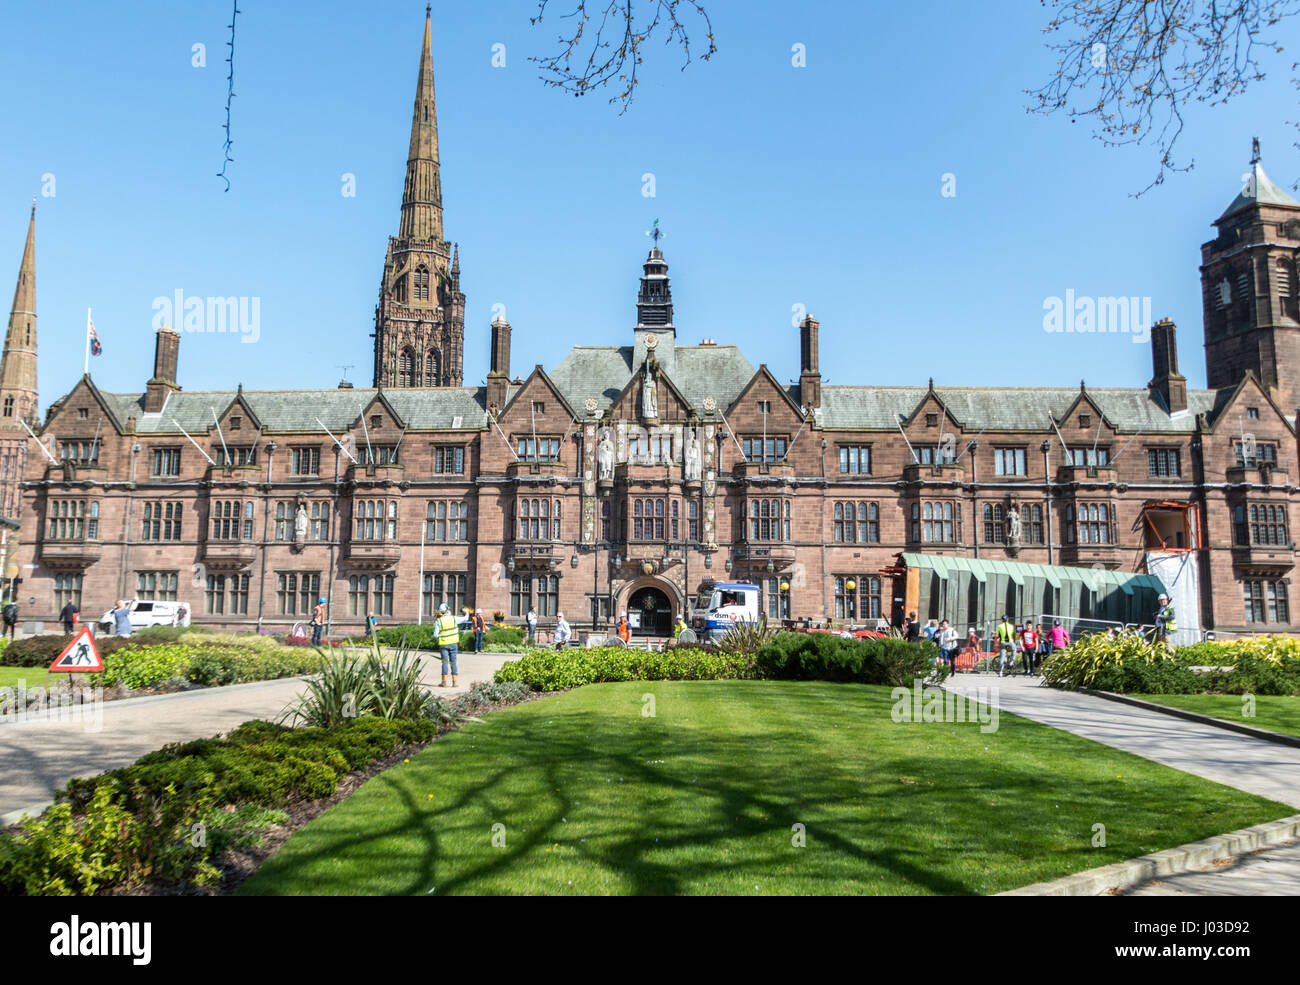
(1193, 716)
(1171, 861)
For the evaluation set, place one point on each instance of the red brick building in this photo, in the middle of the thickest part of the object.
(629, 476)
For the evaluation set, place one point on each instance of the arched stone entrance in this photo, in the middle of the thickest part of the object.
(650, 612)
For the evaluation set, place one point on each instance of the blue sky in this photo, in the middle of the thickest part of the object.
(776, 186)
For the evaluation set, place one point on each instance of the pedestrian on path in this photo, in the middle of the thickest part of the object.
(69, 615)
(947, 640)
(372, 624)
(448, 643)
(1006, 636)
(317, 621)
(11, 617)
(1059, 637)
(1029, 648)
(624, 631)
(122, 619)
(911, 628)
(531, 619)
(479, 625)
(562, 632)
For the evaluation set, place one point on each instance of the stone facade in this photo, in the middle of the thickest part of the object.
(629, 477)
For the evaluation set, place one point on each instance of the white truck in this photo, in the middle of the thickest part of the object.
(148, 613)
(729, 604)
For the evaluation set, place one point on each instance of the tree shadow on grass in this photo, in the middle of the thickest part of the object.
(916, 808)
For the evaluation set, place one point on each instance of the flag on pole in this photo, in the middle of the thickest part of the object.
(95, 347)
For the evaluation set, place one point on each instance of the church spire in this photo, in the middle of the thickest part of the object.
(18, 364)
(422, 194)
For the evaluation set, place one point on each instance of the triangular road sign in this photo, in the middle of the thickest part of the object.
(81, 656)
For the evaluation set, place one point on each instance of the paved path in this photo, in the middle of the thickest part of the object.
(1236, 760)
(38, 756)
(1254, 765)
(1272, 872)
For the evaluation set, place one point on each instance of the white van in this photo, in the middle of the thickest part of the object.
(146, 613)
(728, 605)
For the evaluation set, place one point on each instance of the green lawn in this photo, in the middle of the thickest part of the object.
(34, 676)
(597, 798)
(1276, 713)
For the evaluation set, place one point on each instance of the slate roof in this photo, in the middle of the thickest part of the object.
(297, 410)
(1261, 191)
(1009, 408)
(717, 371)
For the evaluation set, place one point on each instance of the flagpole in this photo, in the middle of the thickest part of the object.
(87, 341)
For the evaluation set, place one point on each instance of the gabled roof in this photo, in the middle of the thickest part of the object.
(1008, 408)
(1259, 190)
(546, 381)
(603, 372)
(297, 410)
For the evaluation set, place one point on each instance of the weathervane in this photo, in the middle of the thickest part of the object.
(655, 233)
(1254, 151)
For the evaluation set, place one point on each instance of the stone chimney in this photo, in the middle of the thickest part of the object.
(810, 377)
(498, 380)
(166, 353)
(1165, 379)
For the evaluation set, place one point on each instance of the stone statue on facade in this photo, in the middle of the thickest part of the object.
(1013, 527)
(605, 457)
(691, 457)
(649, 396)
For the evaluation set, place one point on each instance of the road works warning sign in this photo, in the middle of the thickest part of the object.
(80, 656)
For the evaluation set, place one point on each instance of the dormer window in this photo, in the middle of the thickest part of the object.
(1252, 413)
(235, 422)
(932, 420)
(376, 420)
(82, 412)
(1085, 420)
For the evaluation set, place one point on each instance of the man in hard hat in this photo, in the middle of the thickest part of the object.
(448, 643)
(317, 621)
(624, 631)
(479, 625)
(1165, 621)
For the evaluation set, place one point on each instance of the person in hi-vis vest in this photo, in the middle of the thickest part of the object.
(448, 642)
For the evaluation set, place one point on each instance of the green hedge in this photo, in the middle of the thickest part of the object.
(425, 636)
(40, 651)
(1129, 664)
(554, 670)
(790, 656)
(827, 657)
(155, 657)
(143, 822)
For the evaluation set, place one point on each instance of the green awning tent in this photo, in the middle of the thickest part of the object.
(971, 591)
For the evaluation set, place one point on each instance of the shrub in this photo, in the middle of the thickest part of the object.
(63, 854)
(1128, 663)
(137, 823)
(218, 665)
(487, 693)
(827, 657)
(40, 651)
(554, 670)
(139, 667)
(747, 637)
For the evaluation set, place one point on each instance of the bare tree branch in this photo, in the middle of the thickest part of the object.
(1133, 65)
(613, 38)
